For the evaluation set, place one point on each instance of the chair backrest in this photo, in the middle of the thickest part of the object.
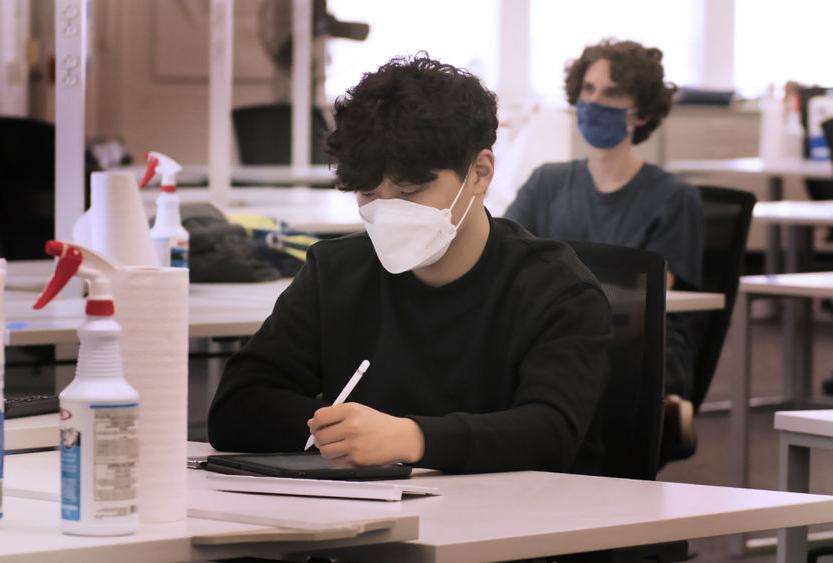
(264, 134)
(634, 283)
(827, 128)
(27, 191)
(823, 189)
(727, 215)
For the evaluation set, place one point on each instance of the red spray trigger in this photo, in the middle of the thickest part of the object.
(151, 170)
(68, 265)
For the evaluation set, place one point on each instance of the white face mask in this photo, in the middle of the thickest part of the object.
(408, 235)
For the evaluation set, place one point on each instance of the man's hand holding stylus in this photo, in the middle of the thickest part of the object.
(356, 434)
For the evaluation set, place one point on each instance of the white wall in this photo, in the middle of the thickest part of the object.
(146, 110)
(14, 89)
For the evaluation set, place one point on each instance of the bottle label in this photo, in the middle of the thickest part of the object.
(179, 254)
(70, 474)
(1, 449)
(115, 456)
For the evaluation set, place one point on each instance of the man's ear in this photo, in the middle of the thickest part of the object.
(483, 169)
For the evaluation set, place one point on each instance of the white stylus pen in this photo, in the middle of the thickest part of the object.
(344, 393)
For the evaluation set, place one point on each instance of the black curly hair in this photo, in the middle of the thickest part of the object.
(637, 69)
(408, 120)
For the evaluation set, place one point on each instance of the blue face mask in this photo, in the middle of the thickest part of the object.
(603, 127)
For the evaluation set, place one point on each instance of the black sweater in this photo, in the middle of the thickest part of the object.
(502, 369)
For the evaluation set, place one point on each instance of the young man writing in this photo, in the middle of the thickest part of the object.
(487, 347)
(614, 197)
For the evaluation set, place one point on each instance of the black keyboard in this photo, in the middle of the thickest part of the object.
(29, 405)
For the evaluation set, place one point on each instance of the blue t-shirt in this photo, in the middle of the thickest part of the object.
(655, 211)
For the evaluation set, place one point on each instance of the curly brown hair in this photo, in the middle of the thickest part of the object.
(409, 119)
(637, 69)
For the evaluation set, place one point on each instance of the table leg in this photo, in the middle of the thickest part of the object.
(739, 414)
(794, 476)
(797, 361)
(739, 417)
(772, 259)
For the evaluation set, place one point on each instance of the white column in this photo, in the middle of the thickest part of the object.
(718, 44)
(513, 83)
(219, 100)
(14, 68)
(70, 87)
(301, 82)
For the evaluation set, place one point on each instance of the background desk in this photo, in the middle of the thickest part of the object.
(215, 310)
(799, 167)
(506, 516)
(799, 218)
(31, 432)
(322, 211)
(800, 431)
(774, 172)
(802, 285)
(197, 175)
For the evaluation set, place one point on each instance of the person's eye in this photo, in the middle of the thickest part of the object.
(586, 87)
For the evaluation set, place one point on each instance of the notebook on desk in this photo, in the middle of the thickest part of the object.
(19, 404)
(365, 490)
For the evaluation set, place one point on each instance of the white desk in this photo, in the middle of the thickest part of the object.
(505, 516)
(30, 432)
(197, 174)
(799, 218)
(799, 167)
(806, 213)
(799, 432)
(211, 315)
(692, 301)
(215, 310)
(774, 172)
(326, 211)
(807, 285)
(30, 533)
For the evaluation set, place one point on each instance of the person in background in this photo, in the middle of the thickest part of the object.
(487, 347)
(614, 197)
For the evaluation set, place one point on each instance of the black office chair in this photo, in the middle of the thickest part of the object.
(727, 215)
(264, 134)
(27, 192)
(634, 283)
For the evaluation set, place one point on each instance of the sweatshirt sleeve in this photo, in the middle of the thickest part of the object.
(268, 389)
(560, 382)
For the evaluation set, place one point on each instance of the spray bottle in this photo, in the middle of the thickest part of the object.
(99, 409)
(169, 236)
